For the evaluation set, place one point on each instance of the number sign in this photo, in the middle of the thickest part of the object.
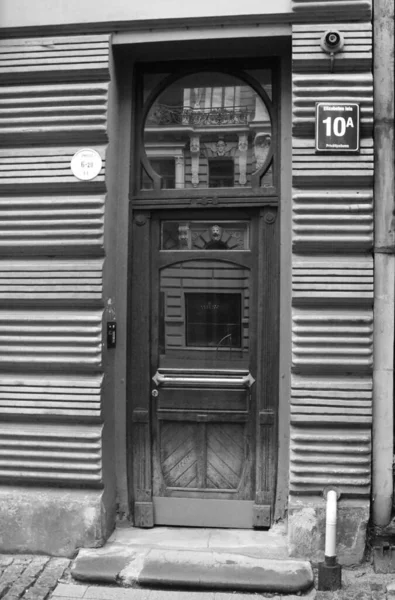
(86, 164)
(337, 127)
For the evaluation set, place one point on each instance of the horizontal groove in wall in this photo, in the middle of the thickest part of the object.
(53, 102)
(332, 340)
(344, 401)
(49, 453)
(355, 57)
(45, 339)
(323, 10)
(57, 57)
(326, 87)
(70, 223)
(320, 458)
(311, 169)
(53, 112)
(41, 168)
(50, 280)
(332, 280)
(73, 398)
(332, 220)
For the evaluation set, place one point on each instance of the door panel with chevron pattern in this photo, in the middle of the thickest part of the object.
(202, 455)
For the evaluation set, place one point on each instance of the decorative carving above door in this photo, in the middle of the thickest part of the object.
(205, 235)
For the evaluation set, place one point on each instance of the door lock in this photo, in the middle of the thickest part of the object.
(154, 393)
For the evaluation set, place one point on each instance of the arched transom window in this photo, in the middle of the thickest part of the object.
(207, 130)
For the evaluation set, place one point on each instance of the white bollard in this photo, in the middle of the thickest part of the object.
(331, 519)
(329, 571)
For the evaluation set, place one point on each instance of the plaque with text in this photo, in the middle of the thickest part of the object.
(337, 127)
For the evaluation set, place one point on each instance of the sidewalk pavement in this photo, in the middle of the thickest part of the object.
(359, 583)
(28, 577)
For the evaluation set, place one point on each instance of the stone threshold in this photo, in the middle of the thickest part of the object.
(198, 559)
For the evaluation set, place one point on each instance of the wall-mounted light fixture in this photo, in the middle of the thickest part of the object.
(332, 42)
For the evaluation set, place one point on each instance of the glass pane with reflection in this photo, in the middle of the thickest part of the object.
(212, 130)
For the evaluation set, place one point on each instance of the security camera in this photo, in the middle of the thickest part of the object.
(332, 41)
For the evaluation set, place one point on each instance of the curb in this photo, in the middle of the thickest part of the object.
(197, 569)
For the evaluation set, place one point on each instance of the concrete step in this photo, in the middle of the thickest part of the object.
(182, 568)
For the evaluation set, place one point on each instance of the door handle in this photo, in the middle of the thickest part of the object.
(184, 378)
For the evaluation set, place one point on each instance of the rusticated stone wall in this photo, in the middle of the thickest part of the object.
(332, 282)
(53, 101)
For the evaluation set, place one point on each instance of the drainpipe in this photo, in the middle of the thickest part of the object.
(384, 263)
(330, 572)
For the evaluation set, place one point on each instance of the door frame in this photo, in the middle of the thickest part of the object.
(140, 384)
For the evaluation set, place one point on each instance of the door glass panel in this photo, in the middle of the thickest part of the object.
(204, 315)
(213, 320)
(214, 128)
(205, 235)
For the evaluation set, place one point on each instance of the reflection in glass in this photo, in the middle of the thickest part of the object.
(165, 167)
(213, 127)
(204, 314)
(220, 172)
(213, 320)
(205, 235)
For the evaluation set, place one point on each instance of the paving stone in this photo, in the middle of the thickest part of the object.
(238, 596)
(311, 595)
(6, 560)
(189, 595)
(27, 578)
(63, 597)
(53, 571)
(96, 592)
(377, 586)
(327, 596)
(11, 574)
(376, 595)
(361, 595)
(69, 590)
(18, 589)
(47, 580)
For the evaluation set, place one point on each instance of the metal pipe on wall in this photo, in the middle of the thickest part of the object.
(384, 262)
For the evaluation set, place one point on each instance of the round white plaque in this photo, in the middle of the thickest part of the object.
(86, 164)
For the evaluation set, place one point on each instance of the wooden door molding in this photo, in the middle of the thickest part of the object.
(139, 374)
(267, 367)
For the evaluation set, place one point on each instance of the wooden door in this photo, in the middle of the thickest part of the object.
(202, 444)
